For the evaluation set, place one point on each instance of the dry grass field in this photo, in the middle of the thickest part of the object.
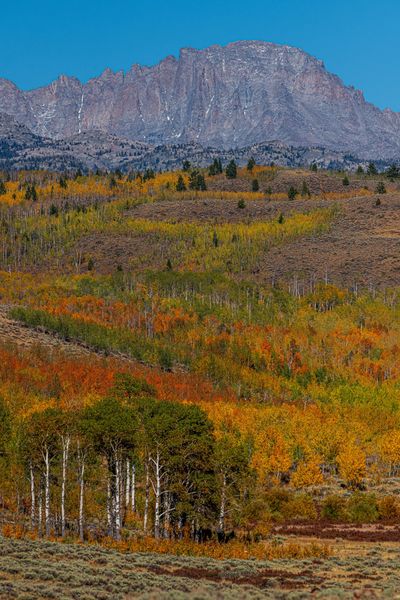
(37, 570)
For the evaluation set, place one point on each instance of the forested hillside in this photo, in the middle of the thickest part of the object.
(199, 356)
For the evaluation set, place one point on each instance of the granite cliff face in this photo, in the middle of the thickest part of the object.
(226, 97)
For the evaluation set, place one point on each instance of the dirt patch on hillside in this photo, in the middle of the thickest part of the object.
(362, 248)
(280, 180)
(222, 211)
(130, 251)
(17, 335)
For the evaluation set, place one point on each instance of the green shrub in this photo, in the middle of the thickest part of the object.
(333, 508)
(299, 507)
(362, 508)
(276, 499)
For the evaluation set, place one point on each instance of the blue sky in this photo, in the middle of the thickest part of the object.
(357, 40)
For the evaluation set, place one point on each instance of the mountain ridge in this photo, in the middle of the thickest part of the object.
(225, 96)
(92, 150)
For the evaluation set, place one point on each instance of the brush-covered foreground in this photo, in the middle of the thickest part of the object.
(37, 570)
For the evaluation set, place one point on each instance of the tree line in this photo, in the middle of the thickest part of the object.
(126, 458)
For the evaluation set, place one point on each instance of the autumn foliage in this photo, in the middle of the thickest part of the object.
(289, 393)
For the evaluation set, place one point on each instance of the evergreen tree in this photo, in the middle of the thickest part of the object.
(360, 170)
(251, 164)
(215, 168)
(345, 180)
(255, 186)
(292, 193)
(34, 195)
(148, 174)
(197, 181)
(371, 169)
(180, 186)
(3, 189)
(380, 188)
(393, 172)
(231, 170)
(186, 165)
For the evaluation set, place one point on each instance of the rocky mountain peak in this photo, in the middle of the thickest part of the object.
(224, 96)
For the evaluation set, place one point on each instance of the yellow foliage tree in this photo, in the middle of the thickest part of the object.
(351, 462)
(389, 449)
(272, 455)
(307, 473)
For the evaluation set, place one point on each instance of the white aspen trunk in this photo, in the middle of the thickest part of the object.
(121, 489)
(65, 440)
(109, 507)
(33, 507)
(192, 530)
(167, 514)
(117, 502)
(127, 483)
(146, 500)
(180, 527)
(40, 517)
(221, 520)
(81, 497)
(157, 497)
(133, 489)
(47, 492)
